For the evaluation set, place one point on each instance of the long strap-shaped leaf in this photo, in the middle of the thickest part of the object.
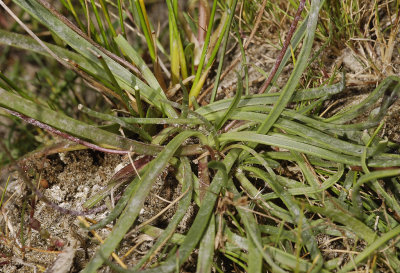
(367, 252)
(271, 98)
(206, 249)
(298, 217)
(308, 190)
(126, 79)
(72, 126)
(27, 43)
(138, 61)
(255, 246)
(200, 223)
(136, 201)
(391, 84)
(282, 141)
(185, 177)
(338, 214)
(294, 78)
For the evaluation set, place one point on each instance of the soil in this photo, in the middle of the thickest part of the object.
(71, 179)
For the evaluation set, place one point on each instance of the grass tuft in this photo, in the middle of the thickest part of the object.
(274, 181)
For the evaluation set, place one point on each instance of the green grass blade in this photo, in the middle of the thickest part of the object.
(292, 261)
(100, 25)
(70, 6)
(307, 236)
(206, 249)
(389, 83)
(231, 12)
(356, 198)
(200, 223)
(321, 139)
(10, 83)
(290, 143)
(339, 129)
(72, 126)
(224, 26)
(173, 43)
(27, 43)
(255, 247)
(143, 134)
(294, 78)
(139, 102)
(264, 99)
(185, 100)
(78, 42)
(287, 143)
(194, 92)
(188, 121)
(308, 190)
(184, 176)
(107, 16)
(145, 27)
(121, 17)
(139, 62)
(228, 113)
(206, 123)
(116, 86)
(369, 250)
(136, 201)
(341, 215)
(178, 62)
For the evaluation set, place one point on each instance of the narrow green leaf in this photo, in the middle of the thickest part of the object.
(185, 100)
(185, 178)
(143, 134)
(100, 25)
(107, 16)
(264, 99)
(300, 66)
(233, 105)
(309, 190)
(206, 249)
(139, 63)
(116, 86)
(356, 198)
(341, 215)
(121, 17)
(80, 43)
(369, 250)
(136, 201)
(391, 83)
(194, 92)
(145, 28)
(287, 143)
(230, 11)
(200, 223)
(307, 236)
(175, 121)
(72, 126)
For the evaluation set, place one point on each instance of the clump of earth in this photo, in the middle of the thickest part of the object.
(69, 180)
